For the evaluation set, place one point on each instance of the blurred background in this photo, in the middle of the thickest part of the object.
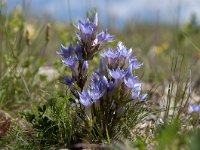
(158, 30)
(117, 12)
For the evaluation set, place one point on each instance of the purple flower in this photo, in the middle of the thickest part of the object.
(136, 90)
(85, 99)
(123, 51)
(70, 61)
(87, 32)
(110, 54)
(110, 57)
(124, 54)
(97, 89)
(96, 93)
(65, 52)
(135, 64)
(89, 40)
(79, 51)
(70, 82)
(84, 68)
(102, 71)
(103, 38)
(194, 108)
(119, 57)
(117, 73)
(87, 27)
(130, 82)
(100, 81)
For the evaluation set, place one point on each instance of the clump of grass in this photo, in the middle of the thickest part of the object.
(55, 122)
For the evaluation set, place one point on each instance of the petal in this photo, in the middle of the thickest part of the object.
(70, 61)
(117, 73)
(85, 98)
(136, 91)
(135, 64)
(65, 52)
(104, 37)
(130, 82)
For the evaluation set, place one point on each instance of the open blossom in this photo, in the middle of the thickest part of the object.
(135, 64)
(103, 37)
(88, 33)
(117, 73)
(89, 39)
(85, 99)
(95, 91)
(70, 61)
(120, 57)
(130, 81)
(66, 52)
(136, 90)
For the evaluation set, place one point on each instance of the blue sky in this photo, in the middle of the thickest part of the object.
(119, 11)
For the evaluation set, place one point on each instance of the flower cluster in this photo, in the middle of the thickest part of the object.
(115, 75)
(113, 92)
(89, 40)
(88, 44)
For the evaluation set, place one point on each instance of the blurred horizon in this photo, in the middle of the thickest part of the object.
(119, 12)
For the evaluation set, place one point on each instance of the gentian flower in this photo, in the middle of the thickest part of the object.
(124, 54)
(102, 69)
(104, 37)
(117, 73)
(69, 81)
(136, 90)
(114, 73)
(89, 39)
(79, 51)
(135, 64)
(87, 32)
(72, 63)
(130, 81)
(194, 108)
(84, 68)
(96, 93)
(117, 58)
(85, 99)
(111, 58)
(123, 51)
(100, 81)
(65, 52)
(111, 88)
